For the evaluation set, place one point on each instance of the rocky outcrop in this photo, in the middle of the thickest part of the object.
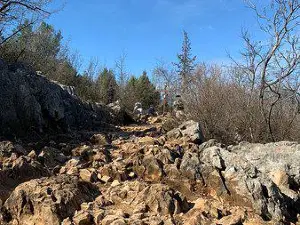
(189, 129)
(148, 175)
(47, 200)
(16, 167)
(32, 104)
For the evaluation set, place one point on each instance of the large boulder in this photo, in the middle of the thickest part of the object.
(133, 203)
(121, 114)
(51, 157)
(255, 175)
(7, 148)
(16, 171)
(190, 130)
(31, 103)
(47, 200)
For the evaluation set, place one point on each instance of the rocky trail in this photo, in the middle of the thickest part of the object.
(149, 174)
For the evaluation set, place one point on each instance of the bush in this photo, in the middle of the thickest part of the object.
(230, 112)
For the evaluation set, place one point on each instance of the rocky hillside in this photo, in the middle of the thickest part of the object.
(147, 175)
(33, 105)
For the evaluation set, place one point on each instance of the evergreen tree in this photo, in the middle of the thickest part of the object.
(146, 91)
(186, 62)
(85, 87)
(41, 49)
(107, 86)
(130, 96)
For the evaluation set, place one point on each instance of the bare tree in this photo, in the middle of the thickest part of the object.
(13, 14)
(122, 73)
(165, 76)
(272, 67)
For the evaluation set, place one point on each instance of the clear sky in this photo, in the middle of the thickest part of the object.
(148, 30)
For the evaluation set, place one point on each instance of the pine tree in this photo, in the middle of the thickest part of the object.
(107, 86)
(130, 96)
(147, 93)
(186, 62)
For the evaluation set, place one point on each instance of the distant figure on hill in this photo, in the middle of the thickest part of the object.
(138, 109)
(178, 103)
(179, 107)
(151, 111)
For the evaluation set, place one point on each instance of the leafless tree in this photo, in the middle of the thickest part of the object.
(122, 73)
(164, 76)
(272, 66)
(13, 14)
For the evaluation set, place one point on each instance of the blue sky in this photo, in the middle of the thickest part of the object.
(147, 30)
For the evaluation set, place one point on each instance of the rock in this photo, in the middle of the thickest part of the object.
(21, 170)
(148, 199)
(99, 139)
(71, 167)
(189, 129)
(67, 222)
(147, 141)
(87, 175)
(233, 219)
(212, 155)
(246, 183)
(174, 134)
(192, 130)
(169, 124)
(7, 148)
(153, 169)
(98, 216)
(48, 200)
(280, 177)
(111, 219)
(160, 199)
(52, 157)
(190, 166)
(32, 104)
(32, 154)
(106, 179)
(83, 218)
(156, 119)
(147, 177)
(172, 171)
(121, 114)
(115, 183)
(131, 175)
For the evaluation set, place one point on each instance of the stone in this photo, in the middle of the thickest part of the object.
(108, 220)
(190, 166)
(115, 183)
(87, 175)
(106, 179)
(280, 177)
(192, 130)
(7, 148)
(32, 104)
(174, 134)
(147, 141)
(61, 196)
(153, 169)
(169, 182)
(235, 218)
(21, 170)
(32, 154)
(131, 175)
(169, 124)
(51, 157)
(99, 139)
(98, 216)
(67, 221)
(83, 218)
